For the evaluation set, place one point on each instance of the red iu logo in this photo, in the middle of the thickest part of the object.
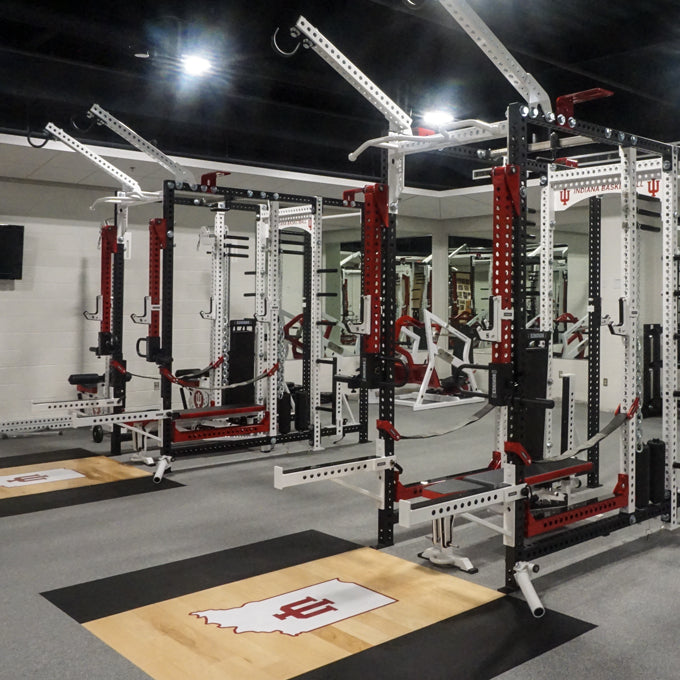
(305, 609)
(27, 479)
(564, 196)
(653, 187)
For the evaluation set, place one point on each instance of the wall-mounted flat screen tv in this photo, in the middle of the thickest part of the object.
(11, 251)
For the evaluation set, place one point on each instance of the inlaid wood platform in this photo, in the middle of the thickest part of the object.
(169, 642)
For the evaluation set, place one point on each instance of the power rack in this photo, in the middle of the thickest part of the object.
(527, 470)
(274, 213)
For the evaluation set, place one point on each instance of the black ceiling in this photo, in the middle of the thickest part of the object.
(257, 107)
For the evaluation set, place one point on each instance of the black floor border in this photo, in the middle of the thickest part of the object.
(116, 594)
(476, 645)
(45, 457)
(50, 500)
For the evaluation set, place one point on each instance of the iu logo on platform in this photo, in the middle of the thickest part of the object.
(39, 477)
(299, 611)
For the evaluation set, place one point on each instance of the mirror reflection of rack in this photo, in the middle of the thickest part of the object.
(469, 282)
(413, 290)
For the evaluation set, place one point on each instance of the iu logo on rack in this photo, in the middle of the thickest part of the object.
(299, 611)
(653, 186)
(565, 195)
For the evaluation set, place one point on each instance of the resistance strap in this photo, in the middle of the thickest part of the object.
(487, 408)
(620, 417)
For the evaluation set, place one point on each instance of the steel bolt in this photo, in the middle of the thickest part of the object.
(621, 136)
(633, 140)
(171, 234)
(524, 111)
(572, 122)
(608, 133)
(543, 180)
(561, 120)
(276, 197)
(249, 193)
(171, 185)
(666, 165)
(550, 117)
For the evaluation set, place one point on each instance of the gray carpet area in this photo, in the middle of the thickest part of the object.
(625, 583)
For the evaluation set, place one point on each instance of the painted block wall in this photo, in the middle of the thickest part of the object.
(43, 335)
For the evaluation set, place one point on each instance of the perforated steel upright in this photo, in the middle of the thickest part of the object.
(594, 326)
(272, 315)
(262, 231)
(118, 382)
(164, 360)
(313, 330)
(219, 330)
(671, 328)
(631, 436)
(516, 427)
(547, 301)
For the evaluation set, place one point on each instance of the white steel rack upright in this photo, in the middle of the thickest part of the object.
(546, 301)
(262, 289)
(631, 434)
(219, 306)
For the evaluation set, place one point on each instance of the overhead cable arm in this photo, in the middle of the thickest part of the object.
(398, 119)
(129, 185)
(523, 82)
(181, 173)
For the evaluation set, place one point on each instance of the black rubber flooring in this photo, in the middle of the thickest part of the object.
(476, 645)
(50, 500)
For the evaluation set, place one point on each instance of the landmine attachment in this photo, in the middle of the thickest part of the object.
(522, 572)
(162, 467)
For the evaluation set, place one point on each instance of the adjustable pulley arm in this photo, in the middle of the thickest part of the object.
(181, 174)
(129, 185)
(398, 119)
(523, 82)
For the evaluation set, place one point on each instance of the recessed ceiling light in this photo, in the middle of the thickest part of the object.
(195, 65)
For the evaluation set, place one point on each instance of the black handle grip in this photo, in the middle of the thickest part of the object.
(144, 355)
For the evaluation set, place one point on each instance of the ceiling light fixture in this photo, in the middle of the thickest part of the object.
(195, 65)
(437, 119)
